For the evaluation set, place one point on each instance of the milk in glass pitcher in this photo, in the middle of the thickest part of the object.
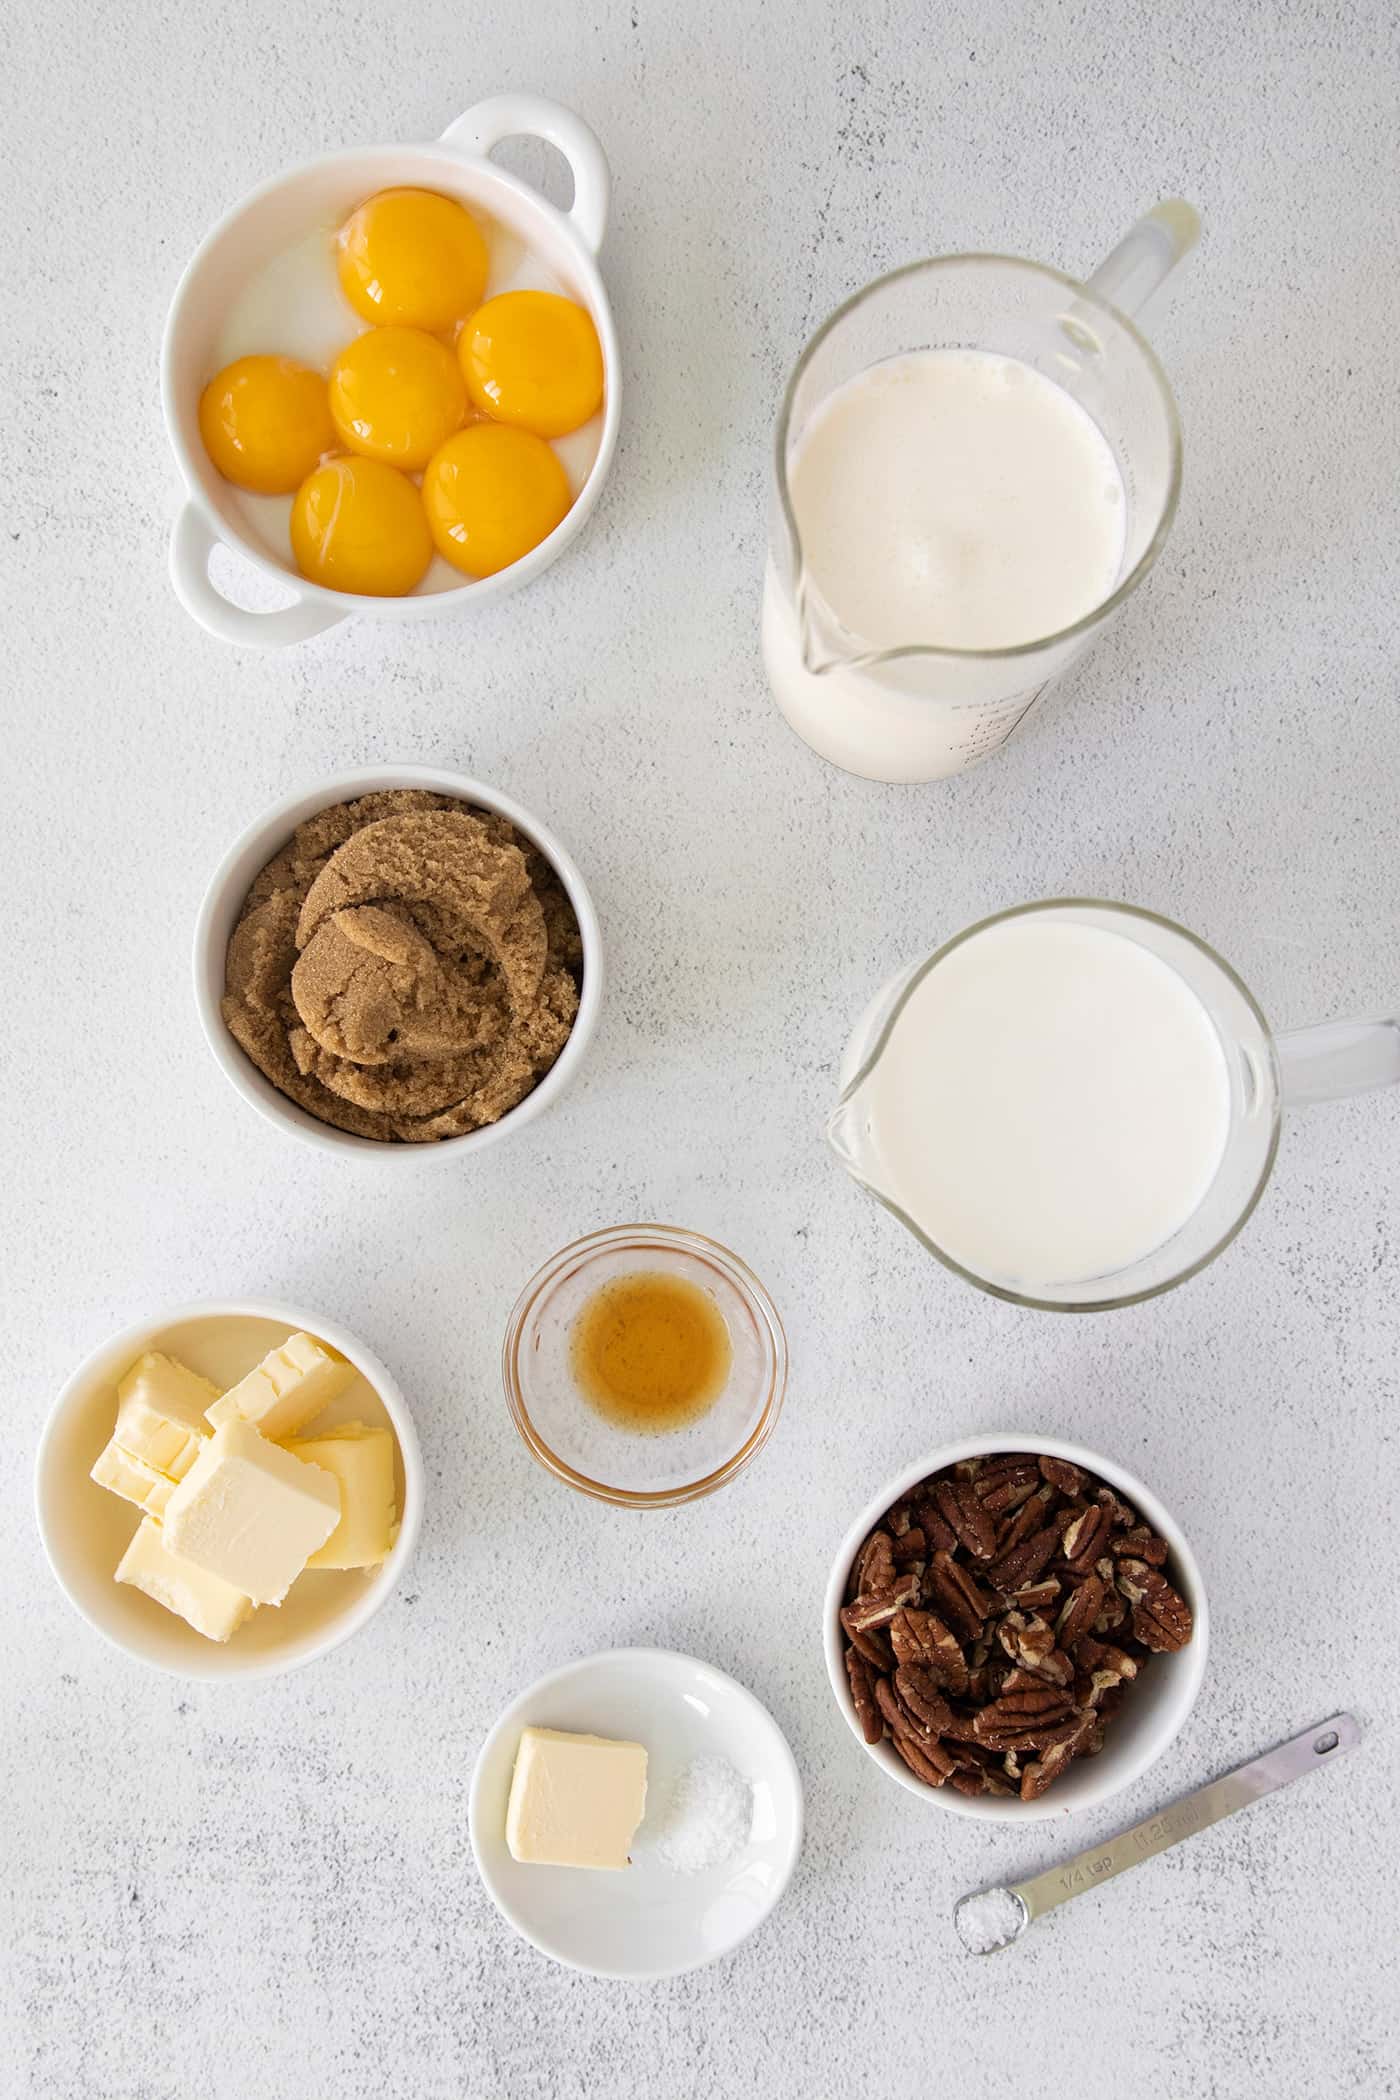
(977, 460)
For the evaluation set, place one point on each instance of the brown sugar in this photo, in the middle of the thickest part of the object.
(406, 968)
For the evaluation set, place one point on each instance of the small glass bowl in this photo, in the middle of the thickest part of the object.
(577, 1444)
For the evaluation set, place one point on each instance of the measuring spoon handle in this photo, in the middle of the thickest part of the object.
(1209, 1804)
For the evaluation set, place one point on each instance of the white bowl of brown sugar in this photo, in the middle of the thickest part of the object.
(398, 964)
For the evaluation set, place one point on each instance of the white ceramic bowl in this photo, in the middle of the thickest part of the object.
(223, 901)
(282, 212)
(85, 1529)
(650, 1920)
(1151, 1716)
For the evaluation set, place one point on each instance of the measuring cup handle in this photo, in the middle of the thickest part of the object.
(1338, 1058)
(1130, 274)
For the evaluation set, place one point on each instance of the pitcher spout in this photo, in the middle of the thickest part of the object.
(826, 644)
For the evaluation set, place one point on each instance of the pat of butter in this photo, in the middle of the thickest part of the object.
(251, 1513)
(575, 1800)
(133, 1480)
(291, 1385)
(361, 1458)
(160, 1414)
(214, 1608)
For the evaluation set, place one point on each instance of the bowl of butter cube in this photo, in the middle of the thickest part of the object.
(230, 1489)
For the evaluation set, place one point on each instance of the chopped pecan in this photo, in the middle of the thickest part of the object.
(898, 1520)
(1046, 1769)
(1113, 1612)
(1030, 1642)
(1081, 1609)
(958, 1597)
(1026, 1562)
(1036, 1596)
(960, 1509)
(873, 1644)
(878, 1607)
(1084, 1537)
(1069, 1479)
(1161, 1616)
(922, 1637)
(919, 1696)
(863, 1696)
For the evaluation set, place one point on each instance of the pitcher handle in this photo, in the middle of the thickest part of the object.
(1338, 1058)
(1130, 274)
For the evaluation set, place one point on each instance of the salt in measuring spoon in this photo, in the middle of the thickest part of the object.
(992, 1918)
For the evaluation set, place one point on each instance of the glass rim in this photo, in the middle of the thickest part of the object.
(1126, 585)
(1004, 1291)
(646, 1236)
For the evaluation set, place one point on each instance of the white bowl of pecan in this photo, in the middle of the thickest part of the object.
(1015, 1628)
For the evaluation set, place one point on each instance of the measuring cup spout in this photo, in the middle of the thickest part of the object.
(825, 642)
(1132, 272)
(844, 1134)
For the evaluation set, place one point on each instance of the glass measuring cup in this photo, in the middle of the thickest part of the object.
(917, 712)
(1267, 1072)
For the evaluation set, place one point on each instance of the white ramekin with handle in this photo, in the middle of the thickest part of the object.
(325, 191)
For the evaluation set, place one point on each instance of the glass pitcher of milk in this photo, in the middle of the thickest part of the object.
(977, 460)
(1076, 1104)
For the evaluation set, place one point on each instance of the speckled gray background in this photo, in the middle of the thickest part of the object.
(267, 1893)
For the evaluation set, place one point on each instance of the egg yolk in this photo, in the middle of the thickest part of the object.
(395, 395)
(412, 258)
(358, 525)
(534, 360)
(491, 494)
(265, 423)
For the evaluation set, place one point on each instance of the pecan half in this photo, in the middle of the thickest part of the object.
(1082, 1608)
(963, 1513)
(1047, 1768)
(1084, 1537)
(920, 1758)
(862, 1693)
(1004, 1483)
(874, 1564)
(1036, 1596)
(878, 1607)
(1022, 1719)
(1161, 1616)
(872, 1644)
(911, 1548)
(1140, 1544)
(1027, 1561)
(1069, 1479)
(919, 1695)
(921, 1637)
(941, 1537)
(1027, 1520)
(958, 1597)
(1124, 1517)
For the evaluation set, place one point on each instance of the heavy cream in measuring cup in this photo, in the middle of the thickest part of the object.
(1052, 1104)
(953, 498)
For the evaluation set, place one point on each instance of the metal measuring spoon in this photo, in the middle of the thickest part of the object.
(993, 1918)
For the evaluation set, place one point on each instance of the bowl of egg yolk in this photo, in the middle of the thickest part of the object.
(391, 380)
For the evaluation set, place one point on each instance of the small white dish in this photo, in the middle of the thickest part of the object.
(650, 1920)
(1150, 1719)
(223, 901)
(85, 1529)
(284, 211)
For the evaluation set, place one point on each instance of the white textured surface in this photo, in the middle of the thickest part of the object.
(266, 1893)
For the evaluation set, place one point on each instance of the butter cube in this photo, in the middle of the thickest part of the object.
(160, 1413)
(362, 1460)
(212, 1607)
(291, 1385)
(251, 1513)
(575, 1800)
(133, 1480)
